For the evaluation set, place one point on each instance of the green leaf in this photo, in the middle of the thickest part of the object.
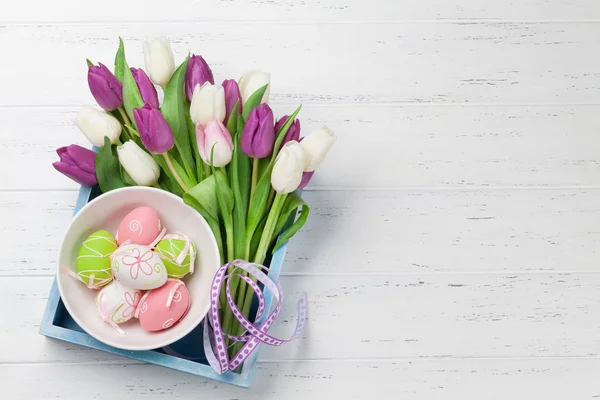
(240, 183)
(131, 94)
(167, 183)
(224, 193)
(120, 61)
(192, 134)
(263, 187)
(259, 202)
(89, 63)
(173, 109)
(135, 136)
(203, 197)
(244, 172)
(288, 212)
(283, 131)
(232, 123)
(181, 172)
(126, 178)
(108, 169)
(256, 238)
(253, 101)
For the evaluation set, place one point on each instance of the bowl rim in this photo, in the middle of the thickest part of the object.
(79, 214)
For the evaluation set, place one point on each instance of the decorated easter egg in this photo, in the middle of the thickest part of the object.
(138, 267)
(163, 307)
(93, 260)
(141, 226)
(117, 302)
(178, 254)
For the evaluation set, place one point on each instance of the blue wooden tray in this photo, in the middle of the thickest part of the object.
(185, 355)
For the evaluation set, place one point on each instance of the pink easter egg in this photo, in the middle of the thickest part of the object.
(141, 226)
(163, 307)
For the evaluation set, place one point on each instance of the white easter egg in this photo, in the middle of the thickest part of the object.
(138, 267)
(117, 302)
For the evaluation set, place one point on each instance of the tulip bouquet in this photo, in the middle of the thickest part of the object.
(218, 147)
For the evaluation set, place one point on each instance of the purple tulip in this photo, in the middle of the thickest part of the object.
(154, 130)
(258, 136)
(78, 163)
(306, 177)
(105, 87)
(146, 87)
(198, 73)
(232, 96)
(292, 134)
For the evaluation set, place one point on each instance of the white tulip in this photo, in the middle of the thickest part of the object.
(96, 124)
(208, 104)
(159, 61)
(317, 145)
(139, 165)
(288, 168)
(251, 81)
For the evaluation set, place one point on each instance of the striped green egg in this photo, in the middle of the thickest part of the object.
(94, 258)
(171, 249)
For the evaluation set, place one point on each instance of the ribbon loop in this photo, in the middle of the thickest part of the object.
(213, 335)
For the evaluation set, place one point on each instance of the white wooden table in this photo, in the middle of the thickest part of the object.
(452, 247)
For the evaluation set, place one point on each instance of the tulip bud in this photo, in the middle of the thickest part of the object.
(208, 104)
(198, 73)
(147, 89)
(251, 81)
(317, 146)
(288, 168)
(154, 130)
(292, 134)
(232, 96)
(214, 134)
(105, 87)
(159, 61)
(78, 163)
(258, 136)
(139, 165)
(96, 124)
(306, 177)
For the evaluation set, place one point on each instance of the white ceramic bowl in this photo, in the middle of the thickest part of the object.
(106, 212)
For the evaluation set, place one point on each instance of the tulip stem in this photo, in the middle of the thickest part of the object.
(124, 115)
(174, 172)
(244, 300)
(254, 180)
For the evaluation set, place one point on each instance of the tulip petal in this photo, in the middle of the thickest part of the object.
(147, 89)
(78, 175)
(84, 158)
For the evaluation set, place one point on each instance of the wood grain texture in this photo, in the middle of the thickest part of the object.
(336, 63)
(426, 315)
(306, 10)
(496, 379)
(416, 147)
(452, 247)
(376, 232)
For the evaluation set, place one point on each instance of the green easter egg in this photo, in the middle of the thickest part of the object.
(94, 258)
(171, 249)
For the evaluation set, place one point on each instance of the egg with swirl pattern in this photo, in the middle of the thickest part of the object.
(141, 226)
(138, 267)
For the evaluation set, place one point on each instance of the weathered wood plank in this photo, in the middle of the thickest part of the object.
(377, 317)
(496, 379)
(307, 10)
(501, 62)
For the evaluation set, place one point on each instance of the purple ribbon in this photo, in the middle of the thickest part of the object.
(213, 335)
